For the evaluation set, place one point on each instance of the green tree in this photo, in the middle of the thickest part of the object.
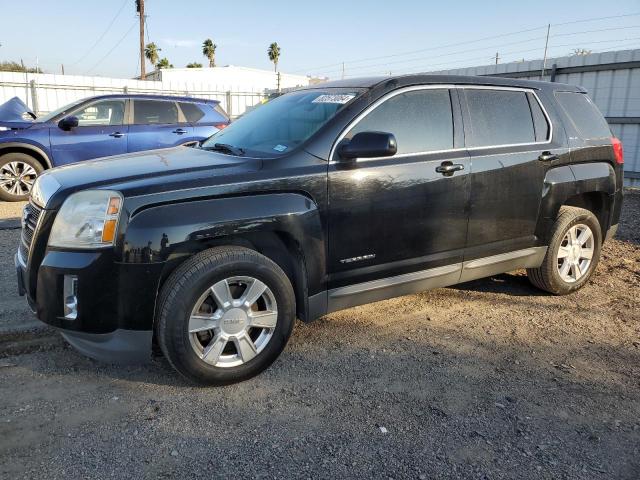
(194, 65)
(151, 52)
(164, 63)
(17, 67)
(209, 51)
(274, 55)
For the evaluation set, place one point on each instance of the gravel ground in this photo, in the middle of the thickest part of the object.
(491, 379)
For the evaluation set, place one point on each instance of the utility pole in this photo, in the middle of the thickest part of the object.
(140, 10)
(342, 70)
(497, 58)
(544, 60)
(62, 68)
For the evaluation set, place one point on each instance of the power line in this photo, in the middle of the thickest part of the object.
(103, 34)
(593, 31)
(320, 69)
(503, 54)
(490, 47)
(113, 48)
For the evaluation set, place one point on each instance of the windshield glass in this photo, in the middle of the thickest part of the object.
(59, 111)
(280, 125)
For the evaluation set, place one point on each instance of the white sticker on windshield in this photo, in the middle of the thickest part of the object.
(334, 98)
(280, 148)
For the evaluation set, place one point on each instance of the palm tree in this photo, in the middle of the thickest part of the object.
(164, 63)
(194, 65)
(209, 51)
(151, 52)
(274, 55)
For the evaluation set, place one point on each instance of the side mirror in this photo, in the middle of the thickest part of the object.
(67, 123)
(369, 145)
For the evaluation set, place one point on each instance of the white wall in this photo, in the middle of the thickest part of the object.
(236, 88)
(232, 77)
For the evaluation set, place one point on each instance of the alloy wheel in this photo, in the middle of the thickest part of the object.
(16, 178)
(575, 253)
(233, 321)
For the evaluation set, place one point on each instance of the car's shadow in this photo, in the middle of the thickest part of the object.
(515, 284)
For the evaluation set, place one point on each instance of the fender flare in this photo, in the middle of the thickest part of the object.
(564, 182)
(170, 233)
(28, 146)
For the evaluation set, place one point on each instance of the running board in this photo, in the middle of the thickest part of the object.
(505, 262)
(414, 282)
(384, 288)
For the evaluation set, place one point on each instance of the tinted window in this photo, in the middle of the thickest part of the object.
(499, 117)
(107, 112)
(421, 121)
(584, 114)
(281, 124)
(540, 123)
(191, 111)
(154, 111)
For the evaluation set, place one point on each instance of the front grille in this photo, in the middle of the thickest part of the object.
(31, 215)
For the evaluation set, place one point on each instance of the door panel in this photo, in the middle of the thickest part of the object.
(156, 124)
(397, 215)
(402, 211)
(507, 131)
(100, 133)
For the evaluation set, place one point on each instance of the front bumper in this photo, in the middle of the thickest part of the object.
(115, 301)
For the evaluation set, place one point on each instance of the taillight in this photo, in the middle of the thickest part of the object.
(220, 126)
(617, 150)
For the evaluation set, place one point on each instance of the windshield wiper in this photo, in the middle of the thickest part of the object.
(225, 147)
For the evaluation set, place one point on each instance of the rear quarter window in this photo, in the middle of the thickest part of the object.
(204, 112)
(584, 115)
(192, 112)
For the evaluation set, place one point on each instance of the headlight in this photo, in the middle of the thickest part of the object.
(4, 129)
(87, 219)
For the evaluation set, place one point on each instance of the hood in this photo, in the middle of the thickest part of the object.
(145, 172)
(15, 114)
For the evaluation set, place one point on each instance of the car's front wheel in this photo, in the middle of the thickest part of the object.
(225, 315)
(18, 171)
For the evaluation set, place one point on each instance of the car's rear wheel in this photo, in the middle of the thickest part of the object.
(18, 171)
(225, 315)
(573, 253)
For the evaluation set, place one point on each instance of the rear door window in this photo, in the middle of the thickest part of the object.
(584, 115)
(421, 120)
(149, 112)
(499, 117)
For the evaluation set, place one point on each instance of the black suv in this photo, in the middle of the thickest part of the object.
(328, 197)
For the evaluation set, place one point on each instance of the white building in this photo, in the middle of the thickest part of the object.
(230, 77)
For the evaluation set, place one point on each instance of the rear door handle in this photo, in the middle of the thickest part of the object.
(117, 135)
(548, 157)
(180, 131)
(447, 168)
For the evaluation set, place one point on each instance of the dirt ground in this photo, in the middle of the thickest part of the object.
(491, 379)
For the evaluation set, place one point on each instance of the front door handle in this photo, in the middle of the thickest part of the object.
(116, 135)
(447, 168)
(180, 131)
(548, 157)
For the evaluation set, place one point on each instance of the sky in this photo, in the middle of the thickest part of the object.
(92, 37)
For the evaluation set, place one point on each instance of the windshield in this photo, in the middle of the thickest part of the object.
(280, 125)
(59, 111)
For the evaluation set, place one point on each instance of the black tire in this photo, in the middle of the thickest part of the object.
(546, 277)
(20, 159)
(184, 287)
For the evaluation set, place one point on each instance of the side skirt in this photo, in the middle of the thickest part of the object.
(414, 282)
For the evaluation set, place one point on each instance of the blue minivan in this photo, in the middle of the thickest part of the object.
(96, 127)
